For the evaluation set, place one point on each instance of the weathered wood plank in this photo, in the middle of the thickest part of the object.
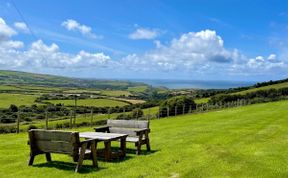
(128, 123)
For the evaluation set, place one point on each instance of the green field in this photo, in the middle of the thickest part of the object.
(274, 86)
(115, 93)
(90, 102)
(201, 100)
(7, 99)
(138, 89)
(248, 141)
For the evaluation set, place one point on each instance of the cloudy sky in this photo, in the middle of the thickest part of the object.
(198, 40)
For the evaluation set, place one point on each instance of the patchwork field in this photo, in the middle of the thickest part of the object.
(18, 99)
(90, 102)
(248, 141)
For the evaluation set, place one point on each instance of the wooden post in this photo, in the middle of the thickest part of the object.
(183, 111)
(159, 112)
(71, 117)
(91, 117)
(18, 122)
(108, 113)
(175, 110)
(46, 120)
(149, 114)
(190, 109)
(167, 111)
(137, 114)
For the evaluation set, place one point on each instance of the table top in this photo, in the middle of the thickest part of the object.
(102, 135)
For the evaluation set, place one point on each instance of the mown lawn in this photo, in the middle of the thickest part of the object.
(248, 141)
(90, 102)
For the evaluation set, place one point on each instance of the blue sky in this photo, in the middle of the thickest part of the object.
(202, 40)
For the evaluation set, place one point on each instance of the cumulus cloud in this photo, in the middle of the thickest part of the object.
(263, 63)
(5, 31)
(73, 25)
(190, 51)
(144, 33)
(21, 26)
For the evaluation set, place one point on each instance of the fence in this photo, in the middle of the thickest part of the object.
(91, 118)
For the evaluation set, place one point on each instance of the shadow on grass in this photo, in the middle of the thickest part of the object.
(68, 166)
(143, 152)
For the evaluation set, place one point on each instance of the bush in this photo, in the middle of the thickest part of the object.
(124, 117)
(181, 103)
(136, 113)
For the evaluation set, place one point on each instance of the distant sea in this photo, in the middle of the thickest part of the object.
(182, 84)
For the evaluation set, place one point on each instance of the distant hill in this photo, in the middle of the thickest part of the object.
(24, 78)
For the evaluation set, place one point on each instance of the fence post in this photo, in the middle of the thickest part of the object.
(91, 117)
(175, 110)
(18, 122)
(159, 112)
(183, 112)
(71, 118)
(137, 114)
(167, 111)
(46, 120)
(109, 113)
(190, 109)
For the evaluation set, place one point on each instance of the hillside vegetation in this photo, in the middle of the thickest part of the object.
(248, 141)
(20, 78)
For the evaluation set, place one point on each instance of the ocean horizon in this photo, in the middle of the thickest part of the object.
(195, 84)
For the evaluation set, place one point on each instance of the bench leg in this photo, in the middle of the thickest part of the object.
(107, 152)
(31, 159)
(138, 145)
(148, 145)
(81, 157)
(48, 157)
(94, 153)
(123, 146)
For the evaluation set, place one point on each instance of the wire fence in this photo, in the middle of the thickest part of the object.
(93, 118)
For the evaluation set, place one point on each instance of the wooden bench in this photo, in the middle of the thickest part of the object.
(52, 141)
(138, 131)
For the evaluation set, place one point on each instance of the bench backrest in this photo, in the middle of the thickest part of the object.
(128, 124)
(54, 141)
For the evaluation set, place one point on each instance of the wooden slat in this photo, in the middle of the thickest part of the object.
(128, 123)
(55, 147)
(52, 135)
(132, 139)
(127, 131)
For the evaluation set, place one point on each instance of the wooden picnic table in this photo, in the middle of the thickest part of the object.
(107, 138)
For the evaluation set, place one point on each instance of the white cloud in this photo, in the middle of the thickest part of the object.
(73, 25)
(21, 26)
(188, 52)
(265, 64)
(144, 33)
(40, 55)
(5, 31)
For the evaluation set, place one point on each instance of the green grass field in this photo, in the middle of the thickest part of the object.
(201, 100)
(90, 102)
(275, 86)
(6, 99)
(115, 93)
(138, 89)
(248, 141)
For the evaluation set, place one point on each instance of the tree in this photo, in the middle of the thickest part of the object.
(13, 108)
(178, 104)
(136, 113)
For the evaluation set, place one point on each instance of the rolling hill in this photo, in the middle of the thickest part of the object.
(24, 78)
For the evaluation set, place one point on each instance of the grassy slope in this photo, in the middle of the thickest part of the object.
(248, 141)
(90, 102)
(274, 86)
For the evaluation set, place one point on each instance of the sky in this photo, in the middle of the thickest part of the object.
(239, 40)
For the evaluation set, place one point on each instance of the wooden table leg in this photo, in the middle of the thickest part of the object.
(123, 146)
(107, 152)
